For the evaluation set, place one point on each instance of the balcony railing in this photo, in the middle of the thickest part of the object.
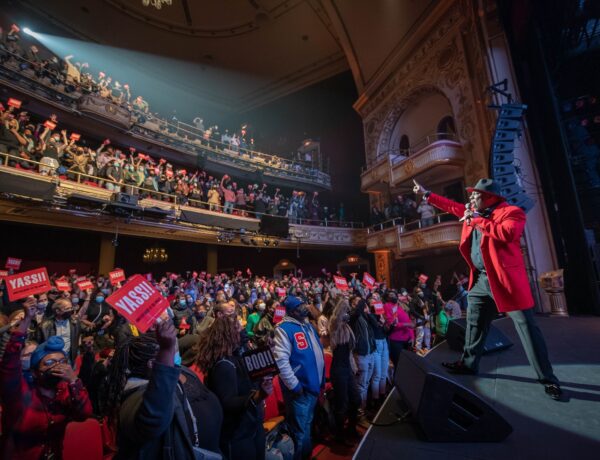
(20, 72)
(406, 238)
(98, 186)
(441, 152)
(396, 166)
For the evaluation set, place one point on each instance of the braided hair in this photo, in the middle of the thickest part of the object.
(130, 360)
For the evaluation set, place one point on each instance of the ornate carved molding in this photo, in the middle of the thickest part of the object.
(439, 65)
(437, 236)
(438, 153)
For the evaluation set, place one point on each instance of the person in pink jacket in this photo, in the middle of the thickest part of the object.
(228, 195)
(399, 325)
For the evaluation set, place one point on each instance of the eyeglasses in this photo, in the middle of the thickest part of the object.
(52, 362)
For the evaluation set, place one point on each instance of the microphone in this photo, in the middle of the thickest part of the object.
(468, 207)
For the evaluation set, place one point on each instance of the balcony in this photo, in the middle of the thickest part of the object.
(137, 130)
(377, 177)
(78, 202)
(435, 158)
(412, 239)
(439, 161)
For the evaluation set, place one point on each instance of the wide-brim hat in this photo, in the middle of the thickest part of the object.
(487, 186)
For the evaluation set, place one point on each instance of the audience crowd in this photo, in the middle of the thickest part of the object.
(41, 146)
(75, 77)
(181, 389)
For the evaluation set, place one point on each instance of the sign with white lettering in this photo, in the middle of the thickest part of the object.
(260, 363)
(13, 262)
(62, 284)
(116, 276)
(27, 283)
(139, 302)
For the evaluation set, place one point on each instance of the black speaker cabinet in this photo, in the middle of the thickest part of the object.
(274, 226)
(124, 198)
(495, 340)
(445, 410)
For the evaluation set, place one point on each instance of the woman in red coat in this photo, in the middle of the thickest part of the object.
(490, 244)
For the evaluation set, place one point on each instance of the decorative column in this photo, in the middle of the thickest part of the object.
(106, 260)
(382, 266)
(211, 259)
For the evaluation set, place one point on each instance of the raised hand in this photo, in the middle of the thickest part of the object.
(418, 188)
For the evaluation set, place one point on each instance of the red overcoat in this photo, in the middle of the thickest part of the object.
(500, 250)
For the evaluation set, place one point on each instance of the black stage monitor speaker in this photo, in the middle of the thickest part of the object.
(84, 201)
(495, 340)
(26, 186)
(274, 226)
(445, 410)
(124, 198)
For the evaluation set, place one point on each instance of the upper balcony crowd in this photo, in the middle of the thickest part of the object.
(70, 80)
(36, 145)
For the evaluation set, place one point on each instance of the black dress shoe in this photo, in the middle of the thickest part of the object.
(553, 390)
(458, 367)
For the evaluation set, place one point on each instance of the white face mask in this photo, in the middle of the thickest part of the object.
(261, 307)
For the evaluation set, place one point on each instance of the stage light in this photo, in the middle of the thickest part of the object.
(28, 31)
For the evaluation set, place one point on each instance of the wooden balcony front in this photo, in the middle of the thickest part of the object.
(440, 161)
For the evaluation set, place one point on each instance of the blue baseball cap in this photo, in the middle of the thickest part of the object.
(54, 344)
(291, 302)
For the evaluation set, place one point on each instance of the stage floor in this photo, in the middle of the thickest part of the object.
(543, 428)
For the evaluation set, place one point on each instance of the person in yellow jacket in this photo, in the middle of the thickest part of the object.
(214, 199)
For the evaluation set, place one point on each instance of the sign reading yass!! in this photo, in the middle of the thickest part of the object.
(139, 302)
(260, 363)
(27, 283)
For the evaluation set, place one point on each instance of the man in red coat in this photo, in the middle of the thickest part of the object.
(490, 243)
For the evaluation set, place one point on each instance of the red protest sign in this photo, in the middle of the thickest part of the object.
(62, 284)
(139, 302)
(281, 292)
(13, 262)
(3, 274)
(340, 283)
(368, 280)
(27, 283)
(80, 278)
(49, 124)
(85, 284)
(279, 314)
(75, 136)
(72, 271)
(378, 307)
(116, 276)
(12, 102)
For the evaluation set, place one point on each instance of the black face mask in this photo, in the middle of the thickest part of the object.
(302, 312)
(47, 380)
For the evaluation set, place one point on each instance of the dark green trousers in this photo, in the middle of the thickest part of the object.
(482, 310)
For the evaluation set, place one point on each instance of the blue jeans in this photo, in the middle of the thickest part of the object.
(299, 412)
(365, 371)
(381, 364)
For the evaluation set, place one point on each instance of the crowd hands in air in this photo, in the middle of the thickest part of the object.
(43, 147)
(75, 77)
(68, 355)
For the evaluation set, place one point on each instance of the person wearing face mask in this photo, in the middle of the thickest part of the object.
(418, 310)
(399, 326)
(299, 356)
(264, 331)
(198, 316)
(63, 325)
(98, 316)
(53, 150)
(253, 319)
(181, 309)
(346, 393)
(35, 415)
